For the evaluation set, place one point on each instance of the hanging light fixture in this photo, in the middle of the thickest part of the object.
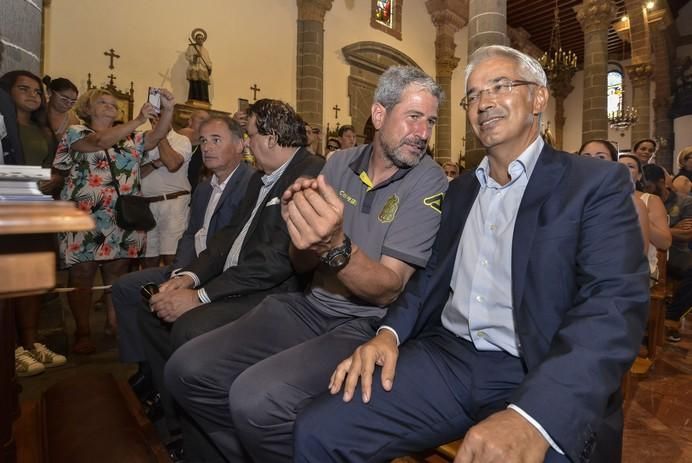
(623, 118)
(559, 65)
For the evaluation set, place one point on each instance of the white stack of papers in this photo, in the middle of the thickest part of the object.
(20, 183)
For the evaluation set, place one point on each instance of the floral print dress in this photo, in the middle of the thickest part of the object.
(89, 184)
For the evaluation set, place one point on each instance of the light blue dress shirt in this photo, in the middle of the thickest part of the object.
(479, 308)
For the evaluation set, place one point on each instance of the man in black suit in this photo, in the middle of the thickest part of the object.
(243, 262)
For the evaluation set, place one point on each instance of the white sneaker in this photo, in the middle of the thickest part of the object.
(47, 357)
(25, 364)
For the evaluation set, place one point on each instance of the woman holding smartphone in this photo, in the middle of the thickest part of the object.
(87, 158)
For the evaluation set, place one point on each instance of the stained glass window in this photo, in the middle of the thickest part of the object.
(614, 91)
(386, 16)
(384, 13)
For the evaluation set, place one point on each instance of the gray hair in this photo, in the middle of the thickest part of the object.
(529, 68)
(396, 79)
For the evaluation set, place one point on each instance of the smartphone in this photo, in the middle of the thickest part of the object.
(148, 289)
(155, 98)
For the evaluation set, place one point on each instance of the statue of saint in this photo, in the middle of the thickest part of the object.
(199, 66)
(548, 136)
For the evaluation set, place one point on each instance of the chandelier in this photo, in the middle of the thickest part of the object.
(623, 118)
(558, 64)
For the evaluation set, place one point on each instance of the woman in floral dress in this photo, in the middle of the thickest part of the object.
(82, 161)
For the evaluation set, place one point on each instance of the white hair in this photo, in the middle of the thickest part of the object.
(529, 68)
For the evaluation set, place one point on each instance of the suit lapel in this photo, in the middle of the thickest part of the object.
(229, 191)
(279, 187)
(458, 214)
(545, 177)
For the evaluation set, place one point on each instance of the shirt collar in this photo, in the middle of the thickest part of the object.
(270, 179)
(222, 186)
(361, 162)
(525, 163)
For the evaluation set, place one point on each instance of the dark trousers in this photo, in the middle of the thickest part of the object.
(244, 383)
(682, 300)
(161, 339)
(128, 303)
(443, 385)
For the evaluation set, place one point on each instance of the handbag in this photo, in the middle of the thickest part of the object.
(131, 212)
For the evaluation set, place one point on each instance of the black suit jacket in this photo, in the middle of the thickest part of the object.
(580, 295)
(11, 144)
(230, 204)
(264, 263)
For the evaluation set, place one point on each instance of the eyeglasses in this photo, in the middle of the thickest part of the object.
(332, 147)
(26, 89)
(499, 88)
(66, 100)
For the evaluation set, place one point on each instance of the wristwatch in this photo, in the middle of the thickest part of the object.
(337, 257)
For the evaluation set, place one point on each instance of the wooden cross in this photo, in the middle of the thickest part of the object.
(336, 111)
(111, 55)
(255, 89)
(112, 78)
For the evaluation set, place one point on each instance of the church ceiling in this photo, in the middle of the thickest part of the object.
(536, 17)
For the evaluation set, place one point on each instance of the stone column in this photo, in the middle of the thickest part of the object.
(20, 33)
(640, 70)
(595, 16)
(447, 19)
(560, 89)
(487, 26)
(640, 79)
(663, 122)
(310, 59)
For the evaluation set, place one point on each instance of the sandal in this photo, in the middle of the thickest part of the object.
(84, 345)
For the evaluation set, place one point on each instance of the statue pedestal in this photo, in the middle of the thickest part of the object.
(198, 104)
(182, 112)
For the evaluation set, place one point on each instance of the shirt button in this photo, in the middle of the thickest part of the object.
(484, 262)
(480, 298)
(481, 334)
(492, 227)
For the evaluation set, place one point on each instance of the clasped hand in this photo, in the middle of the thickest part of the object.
(313, 214)
(175, 297)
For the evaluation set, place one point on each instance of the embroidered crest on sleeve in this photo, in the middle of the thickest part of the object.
(434, 201)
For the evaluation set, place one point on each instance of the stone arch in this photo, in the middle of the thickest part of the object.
(368, 60)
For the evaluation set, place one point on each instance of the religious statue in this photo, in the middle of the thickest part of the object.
(199, 66)
(548, 136)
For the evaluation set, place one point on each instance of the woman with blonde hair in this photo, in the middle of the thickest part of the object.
(685, 162)
(100, 161)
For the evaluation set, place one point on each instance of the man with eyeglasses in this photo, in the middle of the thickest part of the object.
(532, 307)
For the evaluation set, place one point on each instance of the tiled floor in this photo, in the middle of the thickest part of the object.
(658, 421)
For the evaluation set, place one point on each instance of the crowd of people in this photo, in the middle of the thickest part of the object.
(289, 310)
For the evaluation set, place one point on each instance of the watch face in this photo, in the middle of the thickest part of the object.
(338, 261)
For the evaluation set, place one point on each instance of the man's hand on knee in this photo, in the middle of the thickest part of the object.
(382, 350)
(504, 437)
(170, 305)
